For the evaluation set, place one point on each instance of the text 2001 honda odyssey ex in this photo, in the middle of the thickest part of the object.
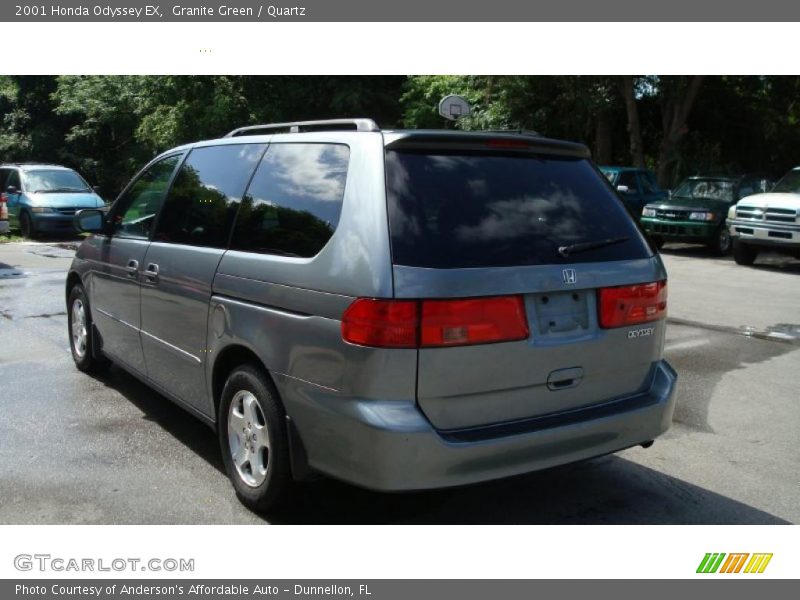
(397, 309)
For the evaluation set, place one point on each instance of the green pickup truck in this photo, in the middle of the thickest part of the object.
(695, 211)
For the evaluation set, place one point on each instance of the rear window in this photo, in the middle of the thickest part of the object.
(450, 211)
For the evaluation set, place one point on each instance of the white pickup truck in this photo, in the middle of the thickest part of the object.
(769, 221)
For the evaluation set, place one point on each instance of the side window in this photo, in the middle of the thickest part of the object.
(135, 212)
(3, 176)
(628, 178)
(202, 202)
(293, 204)
(649, 185)
(13, 179)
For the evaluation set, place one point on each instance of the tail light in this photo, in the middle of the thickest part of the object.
(632, 304)
(475, 321)
(434, 323)
(507, 143)
(3, 208)
(382, 323)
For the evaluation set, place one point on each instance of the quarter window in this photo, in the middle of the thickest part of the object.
(293, 204)
(202, 201)
(135, 212)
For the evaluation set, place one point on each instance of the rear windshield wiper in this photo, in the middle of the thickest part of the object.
(584, 246)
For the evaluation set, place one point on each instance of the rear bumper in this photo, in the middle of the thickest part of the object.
(391, 446)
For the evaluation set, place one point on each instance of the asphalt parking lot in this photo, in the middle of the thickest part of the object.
(76, 449)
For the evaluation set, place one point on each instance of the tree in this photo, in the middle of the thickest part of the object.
(677, 95)
(628, 85)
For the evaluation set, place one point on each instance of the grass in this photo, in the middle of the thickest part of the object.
(7, 238)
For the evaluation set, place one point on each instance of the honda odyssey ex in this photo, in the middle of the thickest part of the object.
(401, 310)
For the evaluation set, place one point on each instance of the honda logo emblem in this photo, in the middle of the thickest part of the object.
(569, 275)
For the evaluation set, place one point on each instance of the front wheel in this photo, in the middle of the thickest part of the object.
(721, 244)
(744, 254)
(79, 321)
(26, 226)
(253, 440)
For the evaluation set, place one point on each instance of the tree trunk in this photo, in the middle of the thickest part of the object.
(603, 138)
(675, 111)
(634, 128)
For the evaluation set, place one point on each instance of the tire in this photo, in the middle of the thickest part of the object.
(722, 242)
(79, 328)
(744, 254)
(251, 426)
(26, 227)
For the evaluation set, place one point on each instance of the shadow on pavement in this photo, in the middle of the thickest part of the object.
(184, 427)
(607, 490)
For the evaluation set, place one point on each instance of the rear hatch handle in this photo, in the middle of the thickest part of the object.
(564, 379)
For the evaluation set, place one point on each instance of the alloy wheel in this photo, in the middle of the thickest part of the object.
(79, 330)
(248, 438)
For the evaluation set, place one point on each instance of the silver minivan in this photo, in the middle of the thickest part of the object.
(401, 310)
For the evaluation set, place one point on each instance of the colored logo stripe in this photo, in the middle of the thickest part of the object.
(710, 563)
(758, 563)
(733, 564)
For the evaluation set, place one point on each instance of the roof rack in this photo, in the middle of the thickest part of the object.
(297, 126)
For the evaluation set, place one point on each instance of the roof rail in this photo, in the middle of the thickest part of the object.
(297, 126)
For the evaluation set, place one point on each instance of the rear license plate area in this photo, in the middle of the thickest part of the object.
(560, 314)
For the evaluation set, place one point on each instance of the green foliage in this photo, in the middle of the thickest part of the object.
(109, 126)
(559, 106)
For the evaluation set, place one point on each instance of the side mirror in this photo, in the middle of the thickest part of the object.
(624, 189)
(90, 220)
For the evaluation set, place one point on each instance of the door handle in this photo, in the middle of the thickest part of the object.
(132, 268)
(151, 274)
